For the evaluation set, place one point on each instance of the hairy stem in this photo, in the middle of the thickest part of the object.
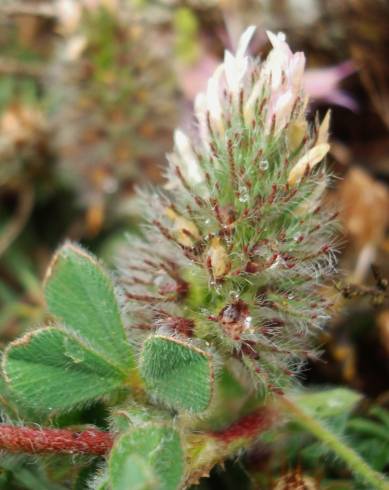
(356, 464)
(34, 440)
(213, 448)
(248, 427)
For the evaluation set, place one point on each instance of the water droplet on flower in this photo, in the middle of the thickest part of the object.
(264, 164)
(247, 322)
(243, 195)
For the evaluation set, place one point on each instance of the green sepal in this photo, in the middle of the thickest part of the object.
(80, 293)
(178, 374)
(101, 482)
(148, 458)
(52, 369)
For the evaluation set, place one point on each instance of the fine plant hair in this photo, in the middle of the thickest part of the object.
(194, 349)
(239, 223)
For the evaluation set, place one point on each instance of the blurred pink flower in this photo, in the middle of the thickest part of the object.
(194, 78)
(322, 84)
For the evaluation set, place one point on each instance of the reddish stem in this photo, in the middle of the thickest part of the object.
(31, 440)
(248, 426)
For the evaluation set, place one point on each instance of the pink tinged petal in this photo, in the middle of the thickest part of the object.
(310, 159)
(278, 59)
(295, 70)
(283, 108)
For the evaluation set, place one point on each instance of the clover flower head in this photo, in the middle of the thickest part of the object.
(239, 245)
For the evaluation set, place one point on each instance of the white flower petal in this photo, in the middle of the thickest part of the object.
(282, 109)
(244, 41)
(189, 164)
(213, 103)
(236, 66)
(235, 70)
(278, 59)
(276, 39)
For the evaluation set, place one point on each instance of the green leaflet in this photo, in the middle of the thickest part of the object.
(149, 458)
(52, 369)
(329, 403)
(179, 375)
(60, 367)
(80, 293)
(26, 474)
